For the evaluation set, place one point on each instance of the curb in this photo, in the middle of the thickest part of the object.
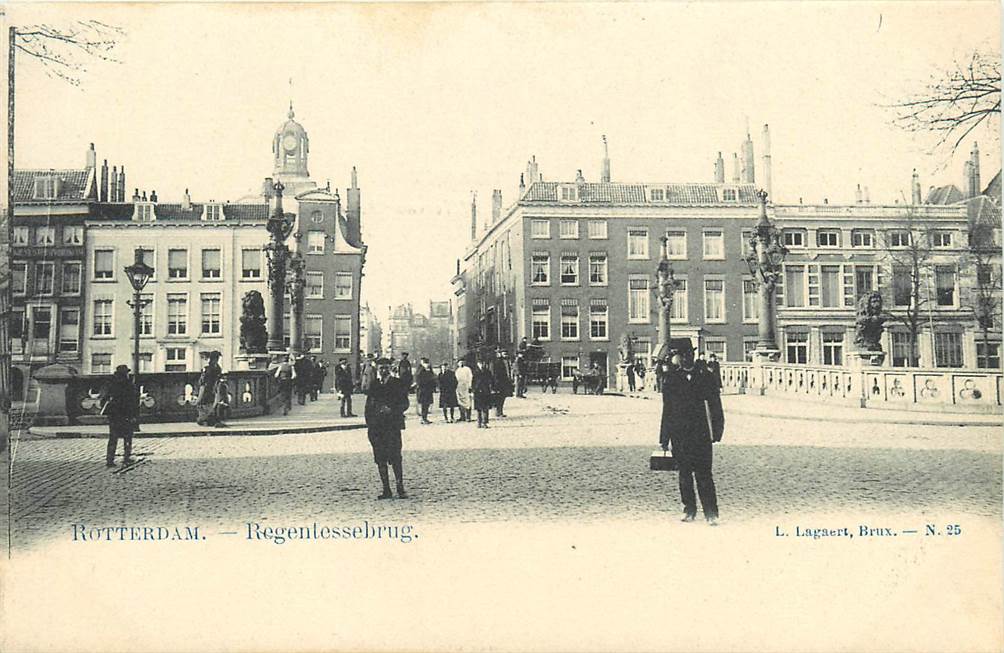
(292, 430)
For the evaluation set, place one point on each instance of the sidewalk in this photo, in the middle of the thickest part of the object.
(314, 416)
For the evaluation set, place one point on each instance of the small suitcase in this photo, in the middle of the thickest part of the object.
(662, 461)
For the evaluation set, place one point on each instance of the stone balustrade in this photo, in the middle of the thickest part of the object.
(67, 397)
(900, 388)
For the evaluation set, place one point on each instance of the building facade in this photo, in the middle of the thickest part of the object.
(420, 335)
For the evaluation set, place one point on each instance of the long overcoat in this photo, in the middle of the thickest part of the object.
(386, 404)
(483, 386)
(425, 385)
(692, 416)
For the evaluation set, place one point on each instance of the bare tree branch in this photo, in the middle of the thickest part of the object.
(63, 50)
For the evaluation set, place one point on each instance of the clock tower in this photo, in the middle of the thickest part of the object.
(289, 150)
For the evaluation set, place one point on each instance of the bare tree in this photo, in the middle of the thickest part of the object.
(985, 296)
(956, 101)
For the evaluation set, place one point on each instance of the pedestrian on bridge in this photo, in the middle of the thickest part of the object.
(464, 380)
(120, 404)
(425, 388)
(447, 381)
(386, 404)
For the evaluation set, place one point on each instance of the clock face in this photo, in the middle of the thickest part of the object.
(289, 142)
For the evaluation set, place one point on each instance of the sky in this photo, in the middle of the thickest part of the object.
(435, 101)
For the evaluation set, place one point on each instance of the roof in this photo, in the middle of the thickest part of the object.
(983, 212)
(75, 185)
(252, 212)
(993, 189)
(949, 194)
(689, 194)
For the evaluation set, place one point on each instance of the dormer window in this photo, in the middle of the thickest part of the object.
(144, 212)
(213, 212)
(46, 188)
(568, 193)
(728, 194)
(658, 194)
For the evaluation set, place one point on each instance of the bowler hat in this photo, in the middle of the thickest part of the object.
(679, 345)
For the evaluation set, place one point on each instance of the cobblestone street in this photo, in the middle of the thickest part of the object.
(554, 456)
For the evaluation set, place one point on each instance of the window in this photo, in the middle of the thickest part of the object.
(637, 244)
(751, 301)
(794, 285)
(176, 359)
(540, 229)
(597, 269)
(214, 212)
(41, 328)
(715, 346)
(540, 322)
(18, 329)
(899, 239)
(146, 315)
(101, 363)
(177, 263)
(314, 288)
(73, 235)
(746, 245)
(569, 270)
(796, 346)
(569, 367)
(862, 238)
(638, 310)
(149, 257)
(250, 264)
(657, 194)
(568, 193)
(599, 318)
(104, 264)
(597, 229)
(20, 235)
(864, 280)
(902, 286)
(749, 346)
(46, 188)
(211, 314)
(988, 355)
(19, 277)
(316, 217)
(903, 354)
(944, 279)
(833, 348)
(540, 269)
(714, 300)
(177, 315)
(678, 313)
(676, 245)
(830, 289)
(211, 268)
(714, 245)
(145, 363)
(144, 213)
(569, 322)
(313, 328)
(315, 242)
(286, 320)
(343, 285)
(948, 348)
(729, 194)
(941, 239)
(102, 317)
(568, 229)
(45, 236)
(827, 238)
(794, 238)
(69, 330)
(343, 333)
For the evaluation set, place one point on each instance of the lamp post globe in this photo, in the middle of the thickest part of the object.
(139, 274)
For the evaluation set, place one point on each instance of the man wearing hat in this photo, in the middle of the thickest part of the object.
(386, 404)
(692, 420)
(120, 404)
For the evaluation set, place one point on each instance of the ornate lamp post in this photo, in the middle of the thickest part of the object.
(666, 284)
(279, 226)
(139, 274)
(295, 282)
(765, 258)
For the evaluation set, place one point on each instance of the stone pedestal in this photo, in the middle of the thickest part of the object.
(252, 361)
(761, 356)
(863, 359)
(53, 381)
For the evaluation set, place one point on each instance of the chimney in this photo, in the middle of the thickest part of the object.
(858, 197)
(103, 187)
(720, 169)
(122, 184)
(144, 196)
(186, 201)
(496, 205)
(766, 167)
(579, 179)
(735, 168)
(748, 175)
(353, 210)
(474, 216)
(153, 196)
(975, 187)
(826, 200)
(92, 157)
(915, 188)
(113, 190)
(605, 172)
(522, 186)
(868, 197)
(135, 195)
(267, 189)
(532, 174)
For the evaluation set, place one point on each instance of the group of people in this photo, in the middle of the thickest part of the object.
(301, 374)
(640, 378)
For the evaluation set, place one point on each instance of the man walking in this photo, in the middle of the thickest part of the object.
(465, 378)
(285, 373)
(303, 378)
(692, 420)
(404, 372)
(502, 378)
(344, 386)
(120, 404)
(368, 374)
(386, 404)
(483, 387)
(425, 387)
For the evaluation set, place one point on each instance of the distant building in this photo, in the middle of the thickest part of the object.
(419, 335)
(370, 332)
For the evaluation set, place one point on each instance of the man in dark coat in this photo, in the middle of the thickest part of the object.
(425, 388)
(120, 404)
(692, 420)
(715, 368)
(303, 379)
(483, 387)
(386, 404)
(447, 382)
(404, 372)
(502, 377)
(344, 386)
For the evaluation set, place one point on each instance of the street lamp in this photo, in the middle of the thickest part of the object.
(764, 259)
(279, 226)
(139, 274)
(666, 284)
(295, 282)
